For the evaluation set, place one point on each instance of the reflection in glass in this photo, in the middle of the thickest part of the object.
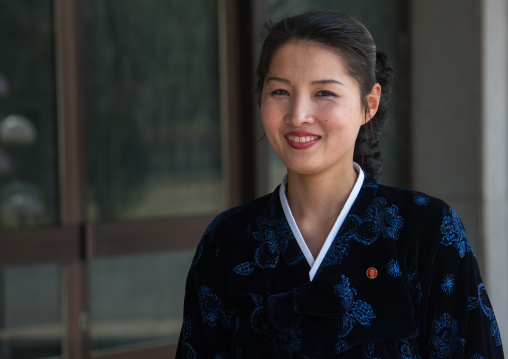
(383, 19)
(17, 129)
(28, 132)
(30, 312)
(137, 299)
(153, 108)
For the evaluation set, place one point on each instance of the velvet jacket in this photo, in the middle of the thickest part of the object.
(248, 292)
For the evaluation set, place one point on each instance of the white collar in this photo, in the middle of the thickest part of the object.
(315, 263)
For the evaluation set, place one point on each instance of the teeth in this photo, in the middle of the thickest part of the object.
(302, 139)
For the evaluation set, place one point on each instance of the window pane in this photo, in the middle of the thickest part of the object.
(30, 316)
(154, 129)
(138, 299)
(384, 21)
(28, 143)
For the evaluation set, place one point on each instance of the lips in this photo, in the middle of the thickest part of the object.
(301, 140)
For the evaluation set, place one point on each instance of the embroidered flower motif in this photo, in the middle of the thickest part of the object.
(187, 349)
(454, 234)
(340, 245)
(212, 309)
(477, 356)
(483, 301)
(258, 317)
(292, 340)
(369, 351)
(275, 241)
(379, 221)
(415, 288)
(356, 311)
(393, 268)
(260, 322)
(341, 346)
(448, 283)
(406, 350)
(244, 268)
(386, 220)
(421, 200)
(444, 340)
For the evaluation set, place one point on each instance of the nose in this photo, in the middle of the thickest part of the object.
(300, 111)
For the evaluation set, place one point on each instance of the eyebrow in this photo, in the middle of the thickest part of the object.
(317, 82)
(278, 79)
(329, 81)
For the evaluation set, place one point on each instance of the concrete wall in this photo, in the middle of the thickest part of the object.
(495, 154)
(446, 105)
(456, 70)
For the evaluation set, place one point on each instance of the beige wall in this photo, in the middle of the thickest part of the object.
(458, 116)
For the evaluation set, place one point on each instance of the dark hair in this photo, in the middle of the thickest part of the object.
(350, 40)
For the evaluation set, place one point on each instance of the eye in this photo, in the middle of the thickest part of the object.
(325, 93)
(279, 92)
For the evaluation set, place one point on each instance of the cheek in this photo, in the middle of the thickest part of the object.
(343, 124)
(269, 116)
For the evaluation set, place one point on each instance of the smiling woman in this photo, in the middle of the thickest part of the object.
(313, 103)
(332, 263)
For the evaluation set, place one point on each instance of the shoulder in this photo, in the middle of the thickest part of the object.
(232, 229)
(416, 206)
(238, 221)
(423, 213)
(430, 225)
(246, 213)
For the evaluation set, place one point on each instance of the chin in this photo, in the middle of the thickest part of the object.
(301, 170)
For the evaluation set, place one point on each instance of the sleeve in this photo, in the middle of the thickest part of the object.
(206, 329)
(457, 320)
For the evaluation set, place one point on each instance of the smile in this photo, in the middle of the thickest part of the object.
(302, 139)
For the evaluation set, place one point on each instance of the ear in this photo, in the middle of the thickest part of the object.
(373, 99)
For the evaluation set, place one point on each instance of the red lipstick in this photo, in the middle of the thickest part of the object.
(301, 140)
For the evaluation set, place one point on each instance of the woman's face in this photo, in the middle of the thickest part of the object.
(311, 109)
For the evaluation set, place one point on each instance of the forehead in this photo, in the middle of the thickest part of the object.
(306, 58)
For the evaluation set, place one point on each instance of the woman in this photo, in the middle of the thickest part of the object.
(333, 264)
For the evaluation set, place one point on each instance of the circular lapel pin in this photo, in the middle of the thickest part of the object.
(372, 273)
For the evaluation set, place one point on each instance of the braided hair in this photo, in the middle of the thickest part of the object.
(349, 39)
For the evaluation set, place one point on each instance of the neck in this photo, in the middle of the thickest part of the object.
(320, 196)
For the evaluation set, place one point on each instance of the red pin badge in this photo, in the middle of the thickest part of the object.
(371, 273)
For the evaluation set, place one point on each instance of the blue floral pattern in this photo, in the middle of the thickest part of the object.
(259, 323)
(415, 288)
(212, 308)
(369, 351)
(380, 220)
(445, 341)
(393, 268)
(448, 283)
(258, 319)
(454, 234)
(338, 249)
(406, 350)
(275, 241)
(356, 311)
(482, 301)
(187, 349)
(292, 340)
(244, 303)
(421, 200)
